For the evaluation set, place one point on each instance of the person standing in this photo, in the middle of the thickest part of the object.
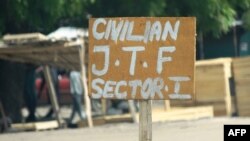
(76, 91)
(30, 92)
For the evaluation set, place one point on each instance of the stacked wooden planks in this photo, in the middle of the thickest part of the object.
(212, 86)
(241, 67)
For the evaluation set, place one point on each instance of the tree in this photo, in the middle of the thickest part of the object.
(244, 12)
(126, 8)
(213, 16)
(38, 15)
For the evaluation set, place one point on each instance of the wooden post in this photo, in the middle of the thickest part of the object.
(85, 86)
(52, 93)
(201, 45)
(236, 52)
(132, 110)
(167, 105)
(104, 106)
(145, 121)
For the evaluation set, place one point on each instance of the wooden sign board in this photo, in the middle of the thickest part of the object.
(142, 58)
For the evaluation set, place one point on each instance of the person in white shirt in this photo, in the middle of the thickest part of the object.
(76, 91)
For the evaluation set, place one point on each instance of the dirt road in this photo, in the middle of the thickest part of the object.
(198, 130)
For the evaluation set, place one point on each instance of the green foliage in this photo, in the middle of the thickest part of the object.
(213, 16)
(246, 19)
(128, 8)
(244, 8)
(36, 15)
(240, 4)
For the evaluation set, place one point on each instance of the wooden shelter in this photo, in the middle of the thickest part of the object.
(62, 54)
(37, 49)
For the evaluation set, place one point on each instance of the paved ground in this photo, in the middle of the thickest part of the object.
(198, 130)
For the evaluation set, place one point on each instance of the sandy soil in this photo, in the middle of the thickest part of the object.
(198, 130)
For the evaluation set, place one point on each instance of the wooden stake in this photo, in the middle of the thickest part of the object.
(104, 106)
(145, 121)
(132, 110)
(52, 94)
(167, 105)
(85, 86)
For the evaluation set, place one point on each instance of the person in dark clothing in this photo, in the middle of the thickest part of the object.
(30, 92)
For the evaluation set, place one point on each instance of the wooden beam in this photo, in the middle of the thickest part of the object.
(45, 125)
(85, 86)
(9, 38)
(167, 105)
(132, 110)
(52, 94)
(104, 106)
